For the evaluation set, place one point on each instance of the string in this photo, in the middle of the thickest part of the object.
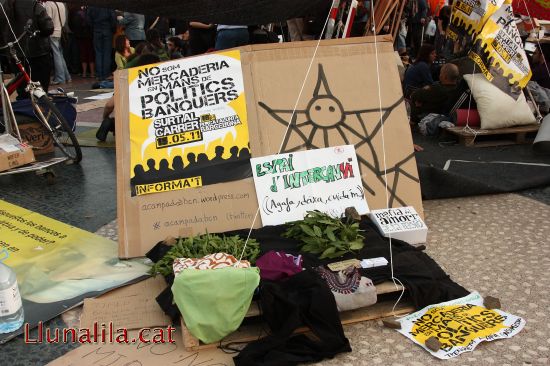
(394, 279)
(15, 39)
(287, 128)
(467, 128)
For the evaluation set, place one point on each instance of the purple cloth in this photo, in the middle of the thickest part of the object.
(278, 265)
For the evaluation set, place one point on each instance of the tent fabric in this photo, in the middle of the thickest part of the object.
(539, 9)
(238, 12)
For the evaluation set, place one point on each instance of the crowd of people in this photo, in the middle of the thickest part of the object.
(93, 42)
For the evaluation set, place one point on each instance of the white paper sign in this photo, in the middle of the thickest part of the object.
(289, 185)
(459, 325)
(402, 223)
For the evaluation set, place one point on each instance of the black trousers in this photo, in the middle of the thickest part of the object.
(39, 69)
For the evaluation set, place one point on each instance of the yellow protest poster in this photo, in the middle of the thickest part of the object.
(188, 123)
(47, 254)
(459, 325)
(469, 16)
(498, 51)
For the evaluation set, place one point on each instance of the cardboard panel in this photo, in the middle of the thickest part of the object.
(339, 104)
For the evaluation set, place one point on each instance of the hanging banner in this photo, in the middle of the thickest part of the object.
(498, 51)
(459, 325)
(469, 16)
(289, 185)
(188, 123)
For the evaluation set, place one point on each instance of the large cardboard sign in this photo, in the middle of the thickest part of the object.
(339, 105)
(289, 185)
(459, 325)
(188, 123)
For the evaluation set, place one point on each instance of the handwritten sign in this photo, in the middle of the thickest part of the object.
(130, 307)
(142, 354)
(401, 223)
(459, 325)
(289, 185)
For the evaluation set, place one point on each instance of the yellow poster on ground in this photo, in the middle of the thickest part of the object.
(54, 261)
(58, 265)
(459, 325)
(498, 51)
(188, 123)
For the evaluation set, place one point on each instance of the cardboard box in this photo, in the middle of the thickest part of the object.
(401, 223)
(14, 153)
(37, 136)
(344, 71)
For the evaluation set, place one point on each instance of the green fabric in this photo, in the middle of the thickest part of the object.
(213, 302)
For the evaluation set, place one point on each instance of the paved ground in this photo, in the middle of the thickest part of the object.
(497, 245)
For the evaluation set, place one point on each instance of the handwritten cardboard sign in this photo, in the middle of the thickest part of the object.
(131, 307)
(142, 354)
(289, 185)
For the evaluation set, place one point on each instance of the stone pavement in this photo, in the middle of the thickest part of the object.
(497, 245)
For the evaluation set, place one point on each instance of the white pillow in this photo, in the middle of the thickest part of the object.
(496, 108)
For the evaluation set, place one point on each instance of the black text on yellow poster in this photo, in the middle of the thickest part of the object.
(498, 51)
(188, 123)
(469, 16)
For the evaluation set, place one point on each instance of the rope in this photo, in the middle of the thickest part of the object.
(287, 129)
(394, 279)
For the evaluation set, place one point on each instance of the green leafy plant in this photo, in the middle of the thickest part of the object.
(201, 245)
(326, 236)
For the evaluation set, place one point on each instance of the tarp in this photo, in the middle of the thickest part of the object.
(539, 9)
(218, 11)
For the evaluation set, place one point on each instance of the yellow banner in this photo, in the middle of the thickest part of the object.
(469, 16)
(55, 261)
(172, 185)
(498, 51)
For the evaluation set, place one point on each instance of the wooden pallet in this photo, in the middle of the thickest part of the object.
(498, 137)
(252, 332)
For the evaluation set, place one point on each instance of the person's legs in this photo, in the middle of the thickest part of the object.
(40, 70)
(59, 73)
(229, 38)
(98, 55)
(107, 54)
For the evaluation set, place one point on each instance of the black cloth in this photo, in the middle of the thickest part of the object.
(425, 281)
(201, 40)
(39, 69)
(19, 13)
(303, 299)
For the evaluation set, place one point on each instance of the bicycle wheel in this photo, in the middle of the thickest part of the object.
(54, 122)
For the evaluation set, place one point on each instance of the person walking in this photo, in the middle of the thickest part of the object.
(103, 22)
(58, 13)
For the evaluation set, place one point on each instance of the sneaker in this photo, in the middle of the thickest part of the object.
(55, 83)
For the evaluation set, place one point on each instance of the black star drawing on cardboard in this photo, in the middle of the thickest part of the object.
(325, 114)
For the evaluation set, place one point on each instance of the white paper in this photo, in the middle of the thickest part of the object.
(100, 96)
(288, 185)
